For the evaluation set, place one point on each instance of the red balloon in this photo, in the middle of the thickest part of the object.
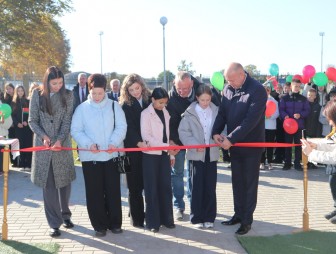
(290, 125)
(305, 79)
(270, 108)
(308, 71)
(331, 73)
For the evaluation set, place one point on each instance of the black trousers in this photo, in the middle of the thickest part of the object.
(269, 137)
(203, 193)
(135, 188)
(290, 138)
(280, 138)
(103, 195)
(245, 178)
(158, 191)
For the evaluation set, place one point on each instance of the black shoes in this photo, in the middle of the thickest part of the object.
(233, 221)
(298, 167)
(328, 216)
(54, 232)
(100, 233)
(68, 224)
(287, 167)
(138, 225)
(311, 165)
(170, 225)
(243, 229)
(154, 230)
(116, 230)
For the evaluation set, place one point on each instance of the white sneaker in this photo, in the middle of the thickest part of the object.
(270, 166)
(179, 215)
(208, 225)
(262, 166)
(21, 169)
(198, 225)
(27, 169)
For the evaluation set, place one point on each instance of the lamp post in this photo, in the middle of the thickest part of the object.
(101, 52)
(163, 21)
(321, 34)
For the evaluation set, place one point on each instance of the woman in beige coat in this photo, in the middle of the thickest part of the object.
(53, 170)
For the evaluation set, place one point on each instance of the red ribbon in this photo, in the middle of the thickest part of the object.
(156, 148)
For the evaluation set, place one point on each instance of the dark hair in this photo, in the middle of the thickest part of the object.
(288, 84)
(7, 97)
(159, 93)
(97, 80)
(330, 111)
(203, 89)
(51, 73)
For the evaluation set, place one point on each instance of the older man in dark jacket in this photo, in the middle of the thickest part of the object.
(243, 111)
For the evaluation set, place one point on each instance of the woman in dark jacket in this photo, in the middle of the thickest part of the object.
(20, 110)
(134, 97)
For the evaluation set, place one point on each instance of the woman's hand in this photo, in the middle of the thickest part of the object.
(46, 141)
(20, 125)
(172, 162)
(56, 147)
(111, 148)
(24, 123)
(94, 148)
(306, 147)
(142, 144)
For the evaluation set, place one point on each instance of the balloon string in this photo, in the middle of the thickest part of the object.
(156, 148)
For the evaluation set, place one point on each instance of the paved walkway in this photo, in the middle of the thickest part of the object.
(279, 211)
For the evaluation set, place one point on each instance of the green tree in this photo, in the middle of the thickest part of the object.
(184, 66)
(30, 37)
(252, 70)
(170, 76)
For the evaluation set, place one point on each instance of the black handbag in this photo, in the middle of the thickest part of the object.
(122, 162)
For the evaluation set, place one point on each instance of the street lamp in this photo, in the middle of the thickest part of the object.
(163, 21)
(321, 34)
(101, 52)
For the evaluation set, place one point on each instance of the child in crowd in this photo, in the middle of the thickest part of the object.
(195, 128)
(157, 164)
(296, 106)
(270, 131)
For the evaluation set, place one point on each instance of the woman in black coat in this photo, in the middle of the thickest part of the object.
(134, 97)
(20, 109)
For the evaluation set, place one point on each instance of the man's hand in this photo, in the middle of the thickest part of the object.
(226, 144)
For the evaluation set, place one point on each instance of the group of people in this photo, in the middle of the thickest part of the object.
(132, 116)
(306, 106)
(16, 126)
(189, 114)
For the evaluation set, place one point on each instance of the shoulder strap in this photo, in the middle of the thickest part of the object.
(113, 114)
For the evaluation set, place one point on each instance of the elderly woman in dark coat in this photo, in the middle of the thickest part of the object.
(53, 170)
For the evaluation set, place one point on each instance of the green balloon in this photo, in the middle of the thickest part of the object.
(320, 79)
(6, 110)
(289, 78)
(217, 80)
(274, 69)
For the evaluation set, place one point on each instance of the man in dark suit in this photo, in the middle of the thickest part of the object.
(115, 90)
(243, 111)
(81, 90)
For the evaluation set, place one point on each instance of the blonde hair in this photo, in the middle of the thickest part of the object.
(129, 80)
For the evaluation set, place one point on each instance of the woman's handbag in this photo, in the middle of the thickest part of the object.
(122, 162)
